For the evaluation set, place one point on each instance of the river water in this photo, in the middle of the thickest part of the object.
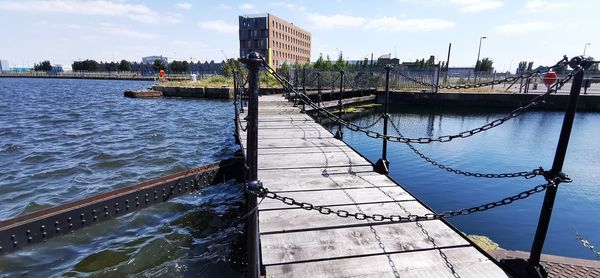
(521, 144)
(61, 140)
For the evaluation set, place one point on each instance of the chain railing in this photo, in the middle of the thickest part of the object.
(554, 176)
(262, 192)
(525, 174)
(424, 140)
(509, 79)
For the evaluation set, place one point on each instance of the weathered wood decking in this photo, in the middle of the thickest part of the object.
(300, 159)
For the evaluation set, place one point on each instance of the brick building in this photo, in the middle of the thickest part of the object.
(274, 38)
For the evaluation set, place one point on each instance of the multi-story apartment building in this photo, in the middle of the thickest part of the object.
(275, 39)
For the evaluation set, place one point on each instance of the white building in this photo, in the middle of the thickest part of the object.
(151, 59)
(3, 65)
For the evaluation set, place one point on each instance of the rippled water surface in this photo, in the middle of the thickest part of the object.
(522, 144)
(62, 140)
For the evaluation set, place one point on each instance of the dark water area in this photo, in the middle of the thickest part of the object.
(62, 140)
(521, 144)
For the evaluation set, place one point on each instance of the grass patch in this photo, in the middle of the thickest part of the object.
(212, 81)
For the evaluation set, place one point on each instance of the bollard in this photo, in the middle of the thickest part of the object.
(339, 134)
(577, 63)
(382, 165)
(253, 62)
(318, 96)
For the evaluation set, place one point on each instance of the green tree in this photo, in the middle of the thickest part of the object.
(328, 65)
(43, 66)
(158, 65)
(86, 65)
(319, 63)
(124, 65)
(285, 68)
(231, 65)
(594, 68)
(485, 65)
(340, 64)
(179, 66)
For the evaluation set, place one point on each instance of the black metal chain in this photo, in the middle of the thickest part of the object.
(524, 174)
(524, 75)
(263, 192)
(424, 140)
(373, 123)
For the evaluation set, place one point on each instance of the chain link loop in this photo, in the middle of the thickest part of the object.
(425, 140)
(263, 192)
(524, 174)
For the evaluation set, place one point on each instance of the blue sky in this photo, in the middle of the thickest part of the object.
(533, 30)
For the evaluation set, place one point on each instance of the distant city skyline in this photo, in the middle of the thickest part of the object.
(64, 31)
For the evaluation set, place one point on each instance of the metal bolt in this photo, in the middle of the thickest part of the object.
(82, 215)
(29, 239)
(69, 219)
(55, 223)
(42, 227)
(28, 232)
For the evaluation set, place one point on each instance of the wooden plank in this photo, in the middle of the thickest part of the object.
(293, 152)
(356, 241)
(284, 180)
(339, 197)
(310, 160)
(287, 220)
(290, 133)
(467, 263)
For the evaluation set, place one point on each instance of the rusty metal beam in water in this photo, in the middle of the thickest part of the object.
(41, 225)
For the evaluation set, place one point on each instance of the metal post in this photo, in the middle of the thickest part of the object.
(478, 52)
(556, 171)
(318, 96)
(339, 134)
(303, 110)
(493, 79)
(448, 63)
(436, 78)
(382, 165)
(235, 102)
(241, 91)
(253, 62)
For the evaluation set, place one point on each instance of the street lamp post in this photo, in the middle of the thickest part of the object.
(478, 52)
(585, 47)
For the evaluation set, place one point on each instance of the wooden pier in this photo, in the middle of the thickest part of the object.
(298, 158)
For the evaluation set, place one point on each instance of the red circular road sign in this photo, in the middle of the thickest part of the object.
(550, 78)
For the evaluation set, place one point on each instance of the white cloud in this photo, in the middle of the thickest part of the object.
(290, 6)
(246, 6)
(219, 26)
(328, 22)
(524, 28)
(225, 7)
(137, 12)
(395, 24)
(171, 18)
(184, 5)
(122, 31)
(542, 6)
(471, 6)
